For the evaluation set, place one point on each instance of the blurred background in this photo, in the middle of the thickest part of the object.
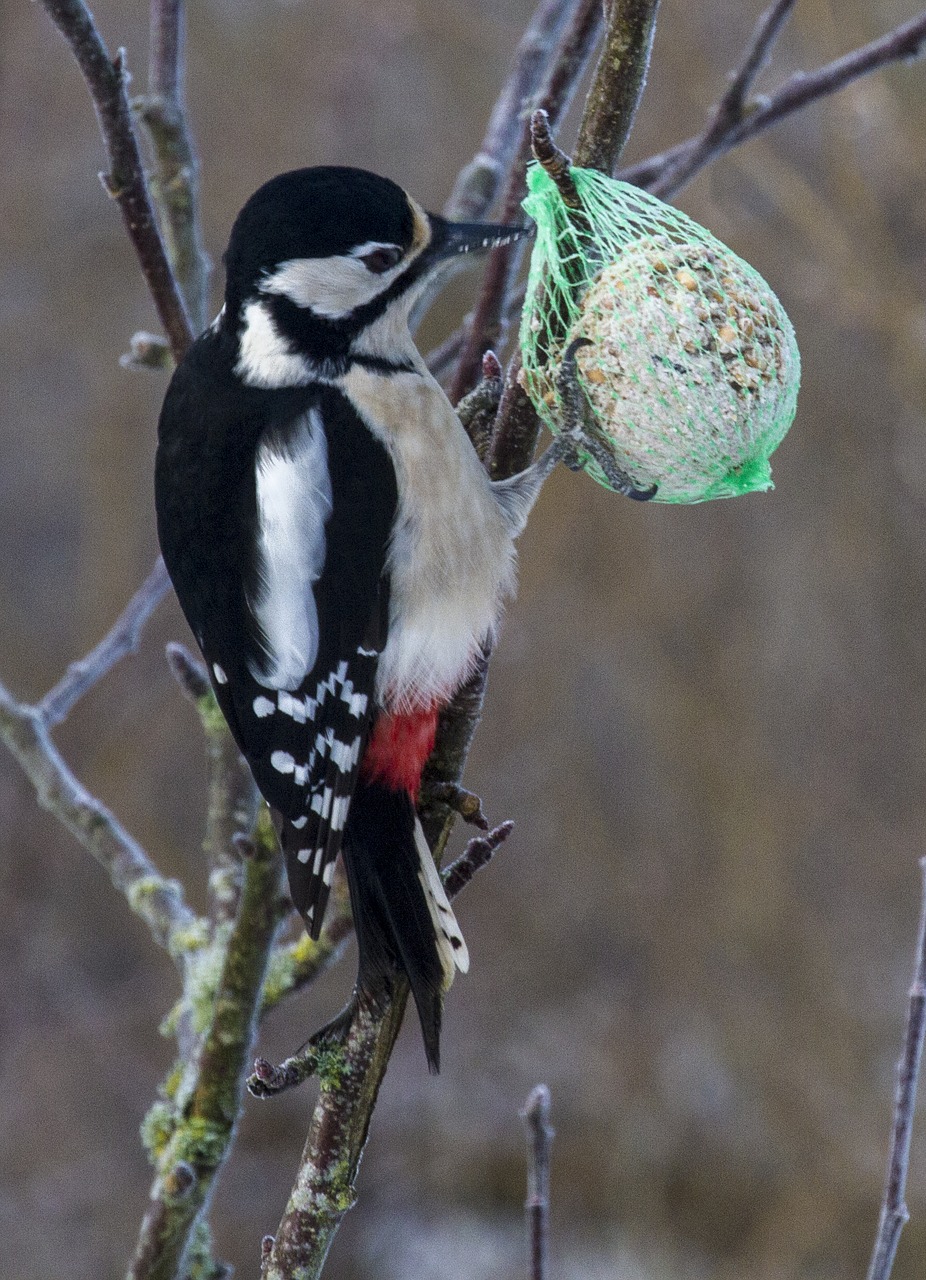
(707, 723)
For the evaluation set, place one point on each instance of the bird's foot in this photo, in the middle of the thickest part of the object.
(466, 803)
(580, 435)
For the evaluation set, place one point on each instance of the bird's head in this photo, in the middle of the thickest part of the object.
(326, 263)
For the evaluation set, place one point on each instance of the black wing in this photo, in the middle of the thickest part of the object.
(280, 570)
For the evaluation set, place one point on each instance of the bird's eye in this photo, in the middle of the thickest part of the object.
(382, 259)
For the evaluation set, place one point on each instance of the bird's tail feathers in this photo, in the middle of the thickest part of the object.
(402, 916)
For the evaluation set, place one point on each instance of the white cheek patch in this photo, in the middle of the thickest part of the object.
(331, 287)
(264, 356)
(293, 507)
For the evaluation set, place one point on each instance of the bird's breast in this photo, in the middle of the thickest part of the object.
(451, 558)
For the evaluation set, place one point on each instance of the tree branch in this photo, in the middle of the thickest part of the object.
(536, 1117)
(232, 802)
(175, 184)
(194, 1140)
(485, 327)
(894, 1212)
(350, 1080)
(157, 900)
(666, 173)
(477, 184)
(298, 965)
(618, 84)
(125, 182)
(123, 638)
(478, 853)
(517, 426)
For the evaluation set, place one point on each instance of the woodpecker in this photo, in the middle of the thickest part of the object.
(337, 548)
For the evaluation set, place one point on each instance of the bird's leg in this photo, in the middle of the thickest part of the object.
(580, 432)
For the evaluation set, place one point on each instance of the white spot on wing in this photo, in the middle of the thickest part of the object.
(358, 704)
(299, 823)
(293, 506)
(220, 676)
(328, 874)
(263, 707)
(339, 812)
(304, 854)
(282, 761)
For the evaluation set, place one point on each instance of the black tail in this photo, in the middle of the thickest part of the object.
(394, 913)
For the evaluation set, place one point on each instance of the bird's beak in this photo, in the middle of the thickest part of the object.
(452, 239)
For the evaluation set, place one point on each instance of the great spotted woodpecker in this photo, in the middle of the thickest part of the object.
(339, 552)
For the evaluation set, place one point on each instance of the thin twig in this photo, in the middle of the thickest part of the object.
(732, 107)
(478, 183)
(556, 163)
(894, 1212)
(665, 174)
(123, 638)
(125, 182)
(157, 900)
(175, 181)
(536, 1117)
(477, 854)
(554, 96)
(297, 965)
(617, 85)
(756, 55)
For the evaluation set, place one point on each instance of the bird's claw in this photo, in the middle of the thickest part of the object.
(579, 437)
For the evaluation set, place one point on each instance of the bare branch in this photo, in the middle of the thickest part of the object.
(536, 1117)
(350, 1080)
(477, 854)
(618, 84)
(125, 182)
(123, 638)
(175, 183)
(232, 796)
(147, 351)
(731, 108)
(756, 55)
(477, 185)
(894, 1212)
(188, 671)
(554, 96)
(299, 964)
(231, 809)
(157, 900)
(204, 1126)
(666, 173)
(552, 159)
(517, 426)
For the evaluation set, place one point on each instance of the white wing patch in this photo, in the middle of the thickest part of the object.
(293, 507)
(450, 945)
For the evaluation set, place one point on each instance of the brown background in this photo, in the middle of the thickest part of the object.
(707, 723)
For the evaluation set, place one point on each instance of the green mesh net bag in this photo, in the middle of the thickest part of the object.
(691, 367)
